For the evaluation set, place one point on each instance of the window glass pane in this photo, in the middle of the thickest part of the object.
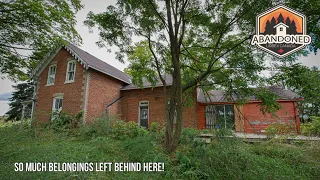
(60, 104)
(70, 76)
(69, 67)
(51, 80)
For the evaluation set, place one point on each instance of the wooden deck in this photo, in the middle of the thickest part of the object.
(262, 137)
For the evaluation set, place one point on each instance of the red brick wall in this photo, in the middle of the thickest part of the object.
(256, 122)
(102, 91)
(130, 107)
(73, 96)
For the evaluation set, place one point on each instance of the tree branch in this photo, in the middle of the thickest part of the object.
(209, 70)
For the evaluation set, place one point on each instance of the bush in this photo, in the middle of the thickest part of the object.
(277, 128)
(155, 127)
(311, 128)
(66, 122)
(100, 126)
(188, 135)
(114, 127)
(123, 130)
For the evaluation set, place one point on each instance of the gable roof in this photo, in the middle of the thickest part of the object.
(87, 60)
(281, 24)
(146, 84)
(221, 96)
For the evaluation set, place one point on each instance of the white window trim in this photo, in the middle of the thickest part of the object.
(51, 84)
(53, 105)
(74, 76)
(141, 104)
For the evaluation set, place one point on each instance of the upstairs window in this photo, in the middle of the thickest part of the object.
(71, 71)
(51, 74)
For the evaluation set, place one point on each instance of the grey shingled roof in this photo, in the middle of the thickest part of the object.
(99, 65)
(221, 96)
(146, 84)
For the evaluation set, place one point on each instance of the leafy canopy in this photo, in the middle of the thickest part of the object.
(30, 28)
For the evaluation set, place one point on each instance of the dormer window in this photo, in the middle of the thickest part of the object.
(51, 75)
(71, 71)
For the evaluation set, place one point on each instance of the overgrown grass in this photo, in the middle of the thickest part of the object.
(223, 159)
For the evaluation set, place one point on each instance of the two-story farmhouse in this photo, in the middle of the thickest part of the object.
(72, 80)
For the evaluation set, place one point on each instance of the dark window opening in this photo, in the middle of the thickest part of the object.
(219, 116)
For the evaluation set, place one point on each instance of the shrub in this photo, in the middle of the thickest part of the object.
(123, 130)
(223, 132)
(154, 127)
(188, 135)
(66, 121)
(277, 128)
(311, 128)
(100, 126)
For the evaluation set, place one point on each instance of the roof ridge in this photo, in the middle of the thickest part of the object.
(95, 63)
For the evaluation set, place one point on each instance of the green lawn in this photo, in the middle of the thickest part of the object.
(223, 159)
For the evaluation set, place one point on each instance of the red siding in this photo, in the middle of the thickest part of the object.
(201, 116)
(256, 122)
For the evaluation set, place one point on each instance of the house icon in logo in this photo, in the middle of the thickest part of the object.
(281, 29)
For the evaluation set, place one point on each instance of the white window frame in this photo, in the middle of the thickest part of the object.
(49, 74)
(74, 71)
(54, 105)
(141, 104)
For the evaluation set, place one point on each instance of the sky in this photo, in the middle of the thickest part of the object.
(89, 40)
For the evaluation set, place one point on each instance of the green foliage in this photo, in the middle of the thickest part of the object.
(311, 128)
(305, 82)
(224, 159)
(268, 101)
(100, 126)
(155, 127)
(222, 132)
(201, 44)
(125, 130)
(66, 121)
(188, 135)
(22, 92)
(278, 128)
(112, 127)
(29, 29)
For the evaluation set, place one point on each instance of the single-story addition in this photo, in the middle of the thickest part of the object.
(72, 80)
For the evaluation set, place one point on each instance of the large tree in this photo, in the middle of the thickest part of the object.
(23, 92)
(30, 28)
(201, 43)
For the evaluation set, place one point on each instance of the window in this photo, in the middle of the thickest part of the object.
(56, 107)
(51, 74)
(219, 116)
(144, 113)
(71, 71)
(281, 28)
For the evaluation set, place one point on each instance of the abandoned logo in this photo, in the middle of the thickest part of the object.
(281, 31)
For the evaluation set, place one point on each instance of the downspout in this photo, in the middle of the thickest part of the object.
(116, 100)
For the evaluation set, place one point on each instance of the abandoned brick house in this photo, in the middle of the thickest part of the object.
(72, 80)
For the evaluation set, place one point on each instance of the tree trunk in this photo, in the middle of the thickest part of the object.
(173, 131)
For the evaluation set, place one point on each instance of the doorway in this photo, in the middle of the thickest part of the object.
(144, 114)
